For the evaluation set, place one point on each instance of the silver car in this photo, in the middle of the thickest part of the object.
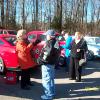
(93, 44)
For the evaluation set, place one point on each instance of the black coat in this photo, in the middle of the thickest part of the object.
(82, 45)
(50, 52)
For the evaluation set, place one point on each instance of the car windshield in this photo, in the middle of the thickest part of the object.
(97, 40)
(61, 38)
(93, 40)
(11, 40)
(12, 32)
(90, 41)
(1, 32)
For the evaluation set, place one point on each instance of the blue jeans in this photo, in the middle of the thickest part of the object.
(48, 80)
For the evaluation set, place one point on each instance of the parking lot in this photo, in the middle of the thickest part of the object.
(66, 89)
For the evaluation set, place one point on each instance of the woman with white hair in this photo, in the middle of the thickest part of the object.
(78, 49)
(23, 48)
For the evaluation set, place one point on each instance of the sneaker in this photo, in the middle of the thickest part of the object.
(72, 78)
(77, 80)
(44, 97)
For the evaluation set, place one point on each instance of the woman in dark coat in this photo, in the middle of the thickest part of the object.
(78, 49)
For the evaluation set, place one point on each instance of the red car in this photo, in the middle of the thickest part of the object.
(32, 36)
(8, 58)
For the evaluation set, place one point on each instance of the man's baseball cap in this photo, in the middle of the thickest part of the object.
(50, 32)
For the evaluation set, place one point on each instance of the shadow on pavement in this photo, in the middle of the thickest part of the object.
(11, 92)
(78, 90)
(68, 91)
(91, 67)
(64, 90)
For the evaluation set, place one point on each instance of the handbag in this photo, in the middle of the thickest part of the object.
(82, 61)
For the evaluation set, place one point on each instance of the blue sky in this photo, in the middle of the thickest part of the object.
(90, 9)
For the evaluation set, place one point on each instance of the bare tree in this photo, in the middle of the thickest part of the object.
(59, 12)
(85, 14)
(36, 18)
(2, 13)
(72, 15)
(7, 14)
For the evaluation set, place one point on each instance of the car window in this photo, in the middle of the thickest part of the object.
(1, 42)
(42, 37)
(97, 40)
(12, 32)
(32, 36)
(1, 32)
(11, 40)
(5, 32)
(90, 40)
(61, 38)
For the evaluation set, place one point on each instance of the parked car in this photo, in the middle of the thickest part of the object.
(4, 31)
(32, 36)
(93, 44)
(8, 58)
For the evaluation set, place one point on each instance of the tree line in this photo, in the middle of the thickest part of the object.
(70, 15)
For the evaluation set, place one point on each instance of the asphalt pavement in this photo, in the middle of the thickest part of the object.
(66, 89)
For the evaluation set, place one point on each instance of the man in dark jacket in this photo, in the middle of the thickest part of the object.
(49, 58)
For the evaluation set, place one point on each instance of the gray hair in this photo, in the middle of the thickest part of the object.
(20, 33)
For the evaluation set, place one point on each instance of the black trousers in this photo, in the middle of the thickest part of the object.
(25, 77)
(67, 61)
(75, 70)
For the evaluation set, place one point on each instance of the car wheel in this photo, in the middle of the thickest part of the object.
(1, 65)
(89, 55)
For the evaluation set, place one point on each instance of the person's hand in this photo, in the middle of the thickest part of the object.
(78, 50)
